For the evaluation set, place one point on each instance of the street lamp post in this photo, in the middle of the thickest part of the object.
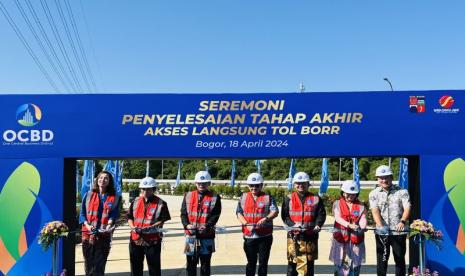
(390, 84)
(392, 90)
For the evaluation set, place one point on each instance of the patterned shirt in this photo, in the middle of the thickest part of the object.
(390, 204)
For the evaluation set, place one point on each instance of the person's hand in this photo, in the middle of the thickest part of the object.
(108, 228)
(317, 229)
(89, 227)
(400, 226)
(297, 225)
(354, 226)
(190, 226)
(261, 222)
(383, 230)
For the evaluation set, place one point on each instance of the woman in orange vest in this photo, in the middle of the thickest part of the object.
(146, 216)
(200, 211)
(99, 211)
(348, 246)
(305, 213)
(256, 211)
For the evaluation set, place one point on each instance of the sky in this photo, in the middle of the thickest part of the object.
(239, 46)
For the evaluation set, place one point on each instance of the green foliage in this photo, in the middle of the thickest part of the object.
(130, 186)
(164, 189)
(272, 169)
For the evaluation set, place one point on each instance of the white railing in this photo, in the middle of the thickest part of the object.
(267, 183)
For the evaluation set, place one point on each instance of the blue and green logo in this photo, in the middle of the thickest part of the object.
(28, 115)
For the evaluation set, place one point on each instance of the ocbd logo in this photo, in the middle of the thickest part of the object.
(28, 115)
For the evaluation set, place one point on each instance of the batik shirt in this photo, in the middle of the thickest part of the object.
(390, 204)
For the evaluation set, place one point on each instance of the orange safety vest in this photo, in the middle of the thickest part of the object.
(341, 233)
(197, 213)
(303, 212)
(146, 215)
(255, 210)
(92, 205)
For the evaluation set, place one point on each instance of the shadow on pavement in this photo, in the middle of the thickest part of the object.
(272, 269)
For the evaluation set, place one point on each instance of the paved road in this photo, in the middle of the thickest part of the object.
(229, 258)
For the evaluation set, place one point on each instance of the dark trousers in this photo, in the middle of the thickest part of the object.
(292, 268)
(95, 255)
(205, 264)
(257, 249)
(383, 244)
(136, 256)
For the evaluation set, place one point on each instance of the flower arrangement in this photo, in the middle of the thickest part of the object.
(51, 232)
(426, 230)
(416, 272)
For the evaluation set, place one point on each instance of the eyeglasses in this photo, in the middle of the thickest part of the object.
(255, 185)
(300, 183)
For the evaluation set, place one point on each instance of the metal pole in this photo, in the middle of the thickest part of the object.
(422, 252)
(162, 163)
(390, 161)
(340, 165)
(55, 244)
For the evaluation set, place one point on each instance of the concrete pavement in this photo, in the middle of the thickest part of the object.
(229, 258)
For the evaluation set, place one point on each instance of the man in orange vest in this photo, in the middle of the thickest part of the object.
(200, 212)
(146, 216)
(256, 211)
(305, 213)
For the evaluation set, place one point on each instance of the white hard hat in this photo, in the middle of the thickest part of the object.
(254, 178)
(350, 187)
(148, 182)
(383, 170)
(301, 177)
(202, 177)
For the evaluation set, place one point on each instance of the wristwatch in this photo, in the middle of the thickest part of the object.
(403, 221)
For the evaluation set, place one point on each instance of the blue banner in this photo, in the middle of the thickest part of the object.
(178, 177)
(258, 164)
(147, 168)
(115, 167)
(87, 177)
(233, 173)
(324, 177)
(442, 205)
(31, 195)
(78, 178)
(255, 126)
(291, 174)
(403, 173)
(356, 176)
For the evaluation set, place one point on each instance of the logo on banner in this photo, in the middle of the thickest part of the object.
(417, 104)
(28, 115)
(446, 102)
